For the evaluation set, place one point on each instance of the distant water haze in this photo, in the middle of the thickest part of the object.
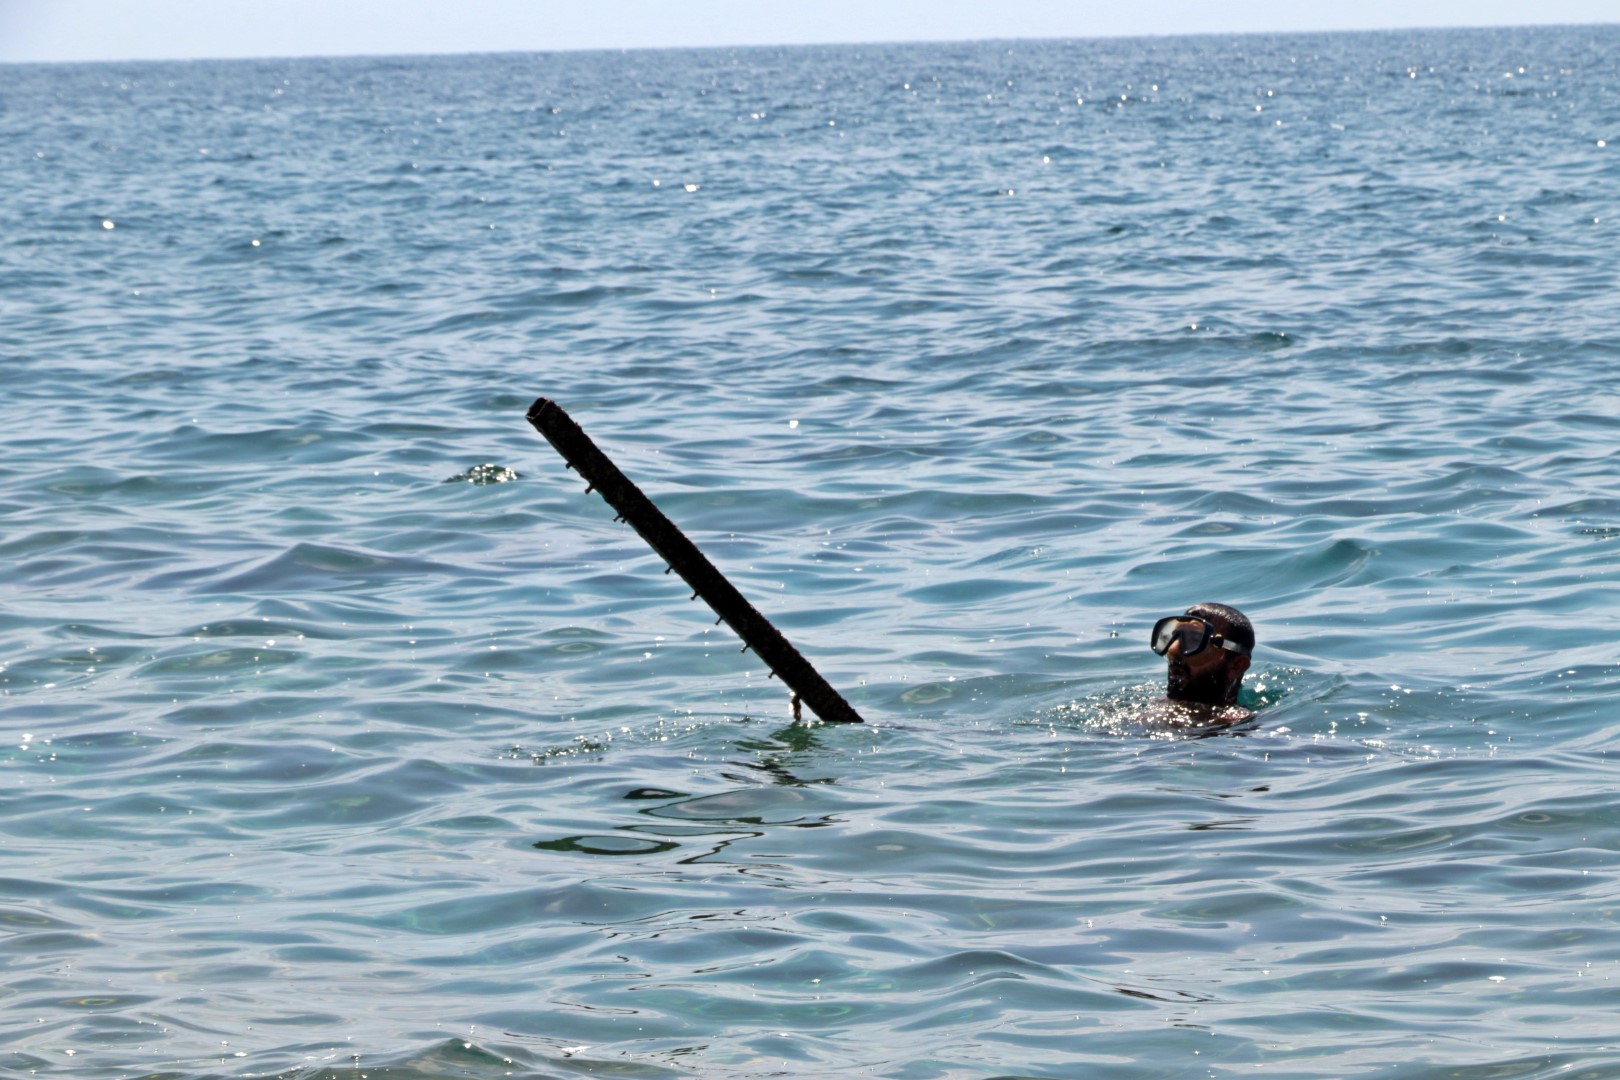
(78, 30)
(344, 734)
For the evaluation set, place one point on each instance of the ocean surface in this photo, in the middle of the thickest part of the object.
(346, 736)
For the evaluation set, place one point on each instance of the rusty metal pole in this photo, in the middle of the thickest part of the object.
(707, 583)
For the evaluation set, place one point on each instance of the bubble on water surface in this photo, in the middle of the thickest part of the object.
(484, 474)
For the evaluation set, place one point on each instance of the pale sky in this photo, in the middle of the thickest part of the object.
(61, 30)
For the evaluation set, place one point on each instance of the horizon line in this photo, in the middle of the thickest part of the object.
(621, 49)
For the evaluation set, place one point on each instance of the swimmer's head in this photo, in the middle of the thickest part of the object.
(1207, 652)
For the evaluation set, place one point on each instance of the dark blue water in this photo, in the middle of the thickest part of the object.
(966, 363)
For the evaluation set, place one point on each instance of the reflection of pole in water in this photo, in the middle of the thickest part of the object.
(757, 633)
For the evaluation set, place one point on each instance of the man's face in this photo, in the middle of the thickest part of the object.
(1209, 674)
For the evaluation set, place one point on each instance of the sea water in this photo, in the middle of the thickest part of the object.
(346, 736)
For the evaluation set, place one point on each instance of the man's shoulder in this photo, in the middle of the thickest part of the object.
(1191, 716)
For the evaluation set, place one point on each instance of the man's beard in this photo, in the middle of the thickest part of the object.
(1181, 685)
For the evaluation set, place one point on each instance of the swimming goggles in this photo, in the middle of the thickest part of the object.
(1193, 633)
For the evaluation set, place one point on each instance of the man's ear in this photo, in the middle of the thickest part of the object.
(1240, 664)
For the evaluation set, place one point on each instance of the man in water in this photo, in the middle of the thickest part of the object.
(1208, 651)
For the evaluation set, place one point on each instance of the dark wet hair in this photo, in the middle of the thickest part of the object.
(1238, 626)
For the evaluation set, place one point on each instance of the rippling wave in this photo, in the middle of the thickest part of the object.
(345, 732)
